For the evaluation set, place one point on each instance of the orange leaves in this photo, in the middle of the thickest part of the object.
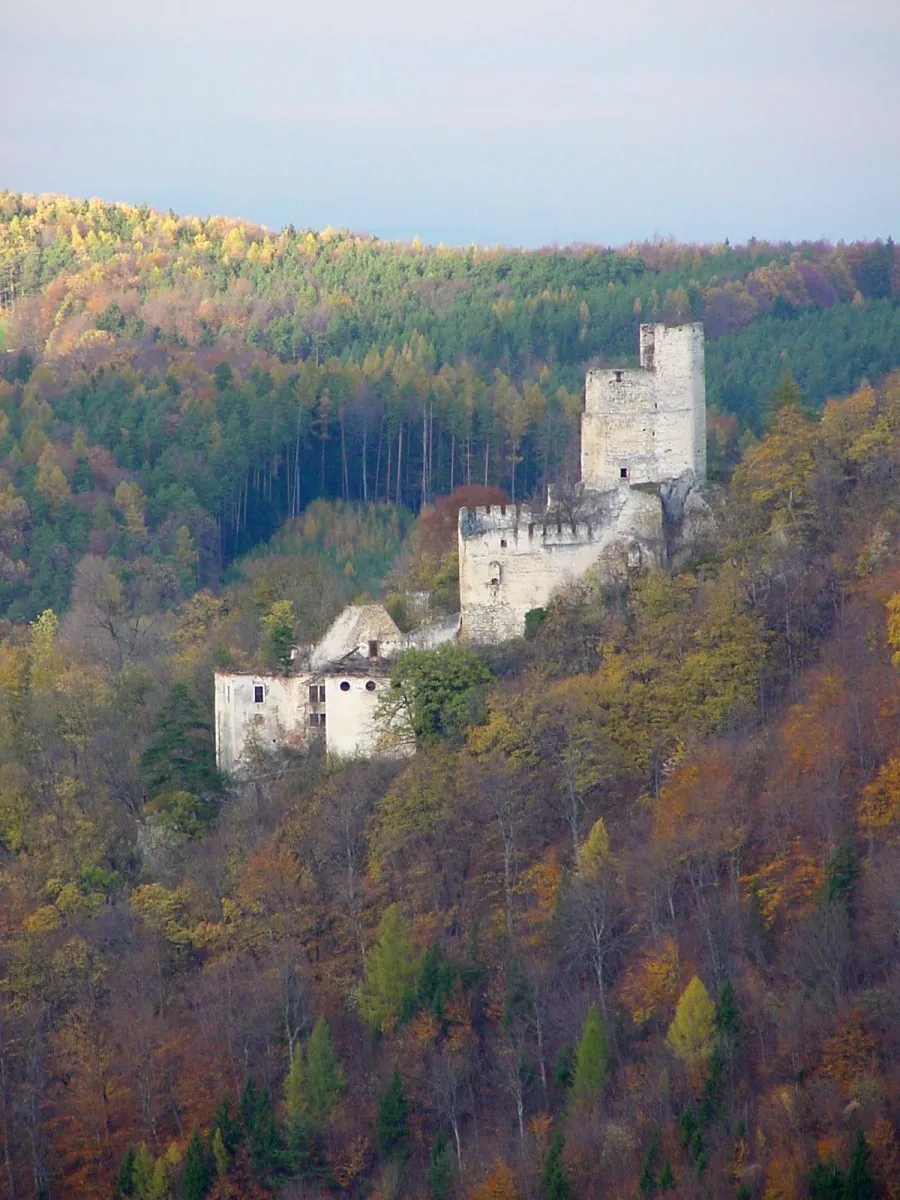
(849, 1054)
(816, 732)
(499, 1185)
(787, 883)
(651, 987)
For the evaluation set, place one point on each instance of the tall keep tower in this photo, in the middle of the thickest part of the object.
(647, 425)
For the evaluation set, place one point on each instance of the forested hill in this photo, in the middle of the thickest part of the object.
(180, 386)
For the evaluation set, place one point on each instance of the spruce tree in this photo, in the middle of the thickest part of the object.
(859, 1183)
(440, 1168)
(142, 1173)
(554, 1184)
(591, 1060)
(125, 1180)
(197, 1176)
(390, 972)
(392, 1131)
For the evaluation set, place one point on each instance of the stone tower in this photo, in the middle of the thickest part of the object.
(647, 425)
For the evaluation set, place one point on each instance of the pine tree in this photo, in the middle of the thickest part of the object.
(125, 1180)
(392, 1111)
(180, 755)
(440, 1167)
(860, 1182)
(727, 1020)
(225, 1123)
(323, 1079)
(222, 1160)
(591, 1061)
(554, 1184)
(197, 1176)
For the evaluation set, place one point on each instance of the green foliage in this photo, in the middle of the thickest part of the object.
(393, 1109)
(125, 1179)
(278, 624)
(434, 695)
(180, 756)
(390, 972)
(860, 1183)
(842, 872)
(196, 1177)
(439, 1177)
(323, 1079)
(261, 1133)
(534, 618)
(591, 1060)
(554, 1181)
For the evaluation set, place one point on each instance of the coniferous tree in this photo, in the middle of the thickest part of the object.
(323, 1078)
(180, 755)
(554, 1182)
(591, 1060)
(392, 1113)
(860, 1182)
(196, 1176)
(125, 1180)
(440, 1168)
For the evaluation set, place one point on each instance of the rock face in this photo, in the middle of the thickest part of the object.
(643, 469)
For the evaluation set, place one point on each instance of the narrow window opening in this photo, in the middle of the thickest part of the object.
(370, 685)
(503, 543)
(345, 686)
(623, 472)
(373, 649)
(321, 720)
(314, 694)
(258, 693)
(322, 693)
(619, 375)
(495, 582)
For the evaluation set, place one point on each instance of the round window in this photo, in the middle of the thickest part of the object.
(345, 686)
(370, 685)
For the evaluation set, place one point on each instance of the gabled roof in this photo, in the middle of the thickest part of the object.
(357, 625)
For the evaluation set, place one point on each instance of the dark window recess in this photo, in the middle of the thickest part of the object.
(623, 472)
(345, 686)
(495, 582)
(619, 375)
(258, 693)
(321, 720)
(503, 543)
(314, 718)
(373, 649)
(370, 685)
(314, 694)
(321, 693)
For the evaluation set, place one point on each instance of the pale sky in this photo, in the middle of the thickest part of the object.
(526, 123)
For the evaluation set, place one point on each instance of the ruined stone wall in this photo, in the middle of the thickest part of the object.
(510, 561)
(647, 424)
(244, 723)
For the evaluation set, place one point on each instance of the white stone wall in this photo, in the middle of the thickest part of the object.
(351, 702)
(649, 421)
(282, 718)
(510, 562)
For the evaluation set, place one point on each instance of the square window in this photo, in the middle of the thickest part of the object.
(258, 693)
(314, 718)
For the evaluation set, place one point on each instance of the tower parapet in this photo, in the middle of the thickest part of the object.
(647, 424)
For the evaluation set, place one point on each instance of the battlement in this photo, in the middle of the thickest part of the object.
(512, 528)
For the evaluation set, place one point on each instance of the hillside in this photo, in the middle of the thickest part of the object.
(627, 923)
(174, 388)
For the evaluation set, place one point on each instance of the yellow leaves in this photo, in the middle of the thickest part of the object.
(879, 805)
(893, 627)
(692, 1032)
(773, 480)
(131, 503)
(651, 987)
(595, 851)
(163, 909)
(43, 920)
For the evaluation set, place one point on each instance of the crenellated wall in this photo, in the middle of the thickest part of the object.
(511, 561)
